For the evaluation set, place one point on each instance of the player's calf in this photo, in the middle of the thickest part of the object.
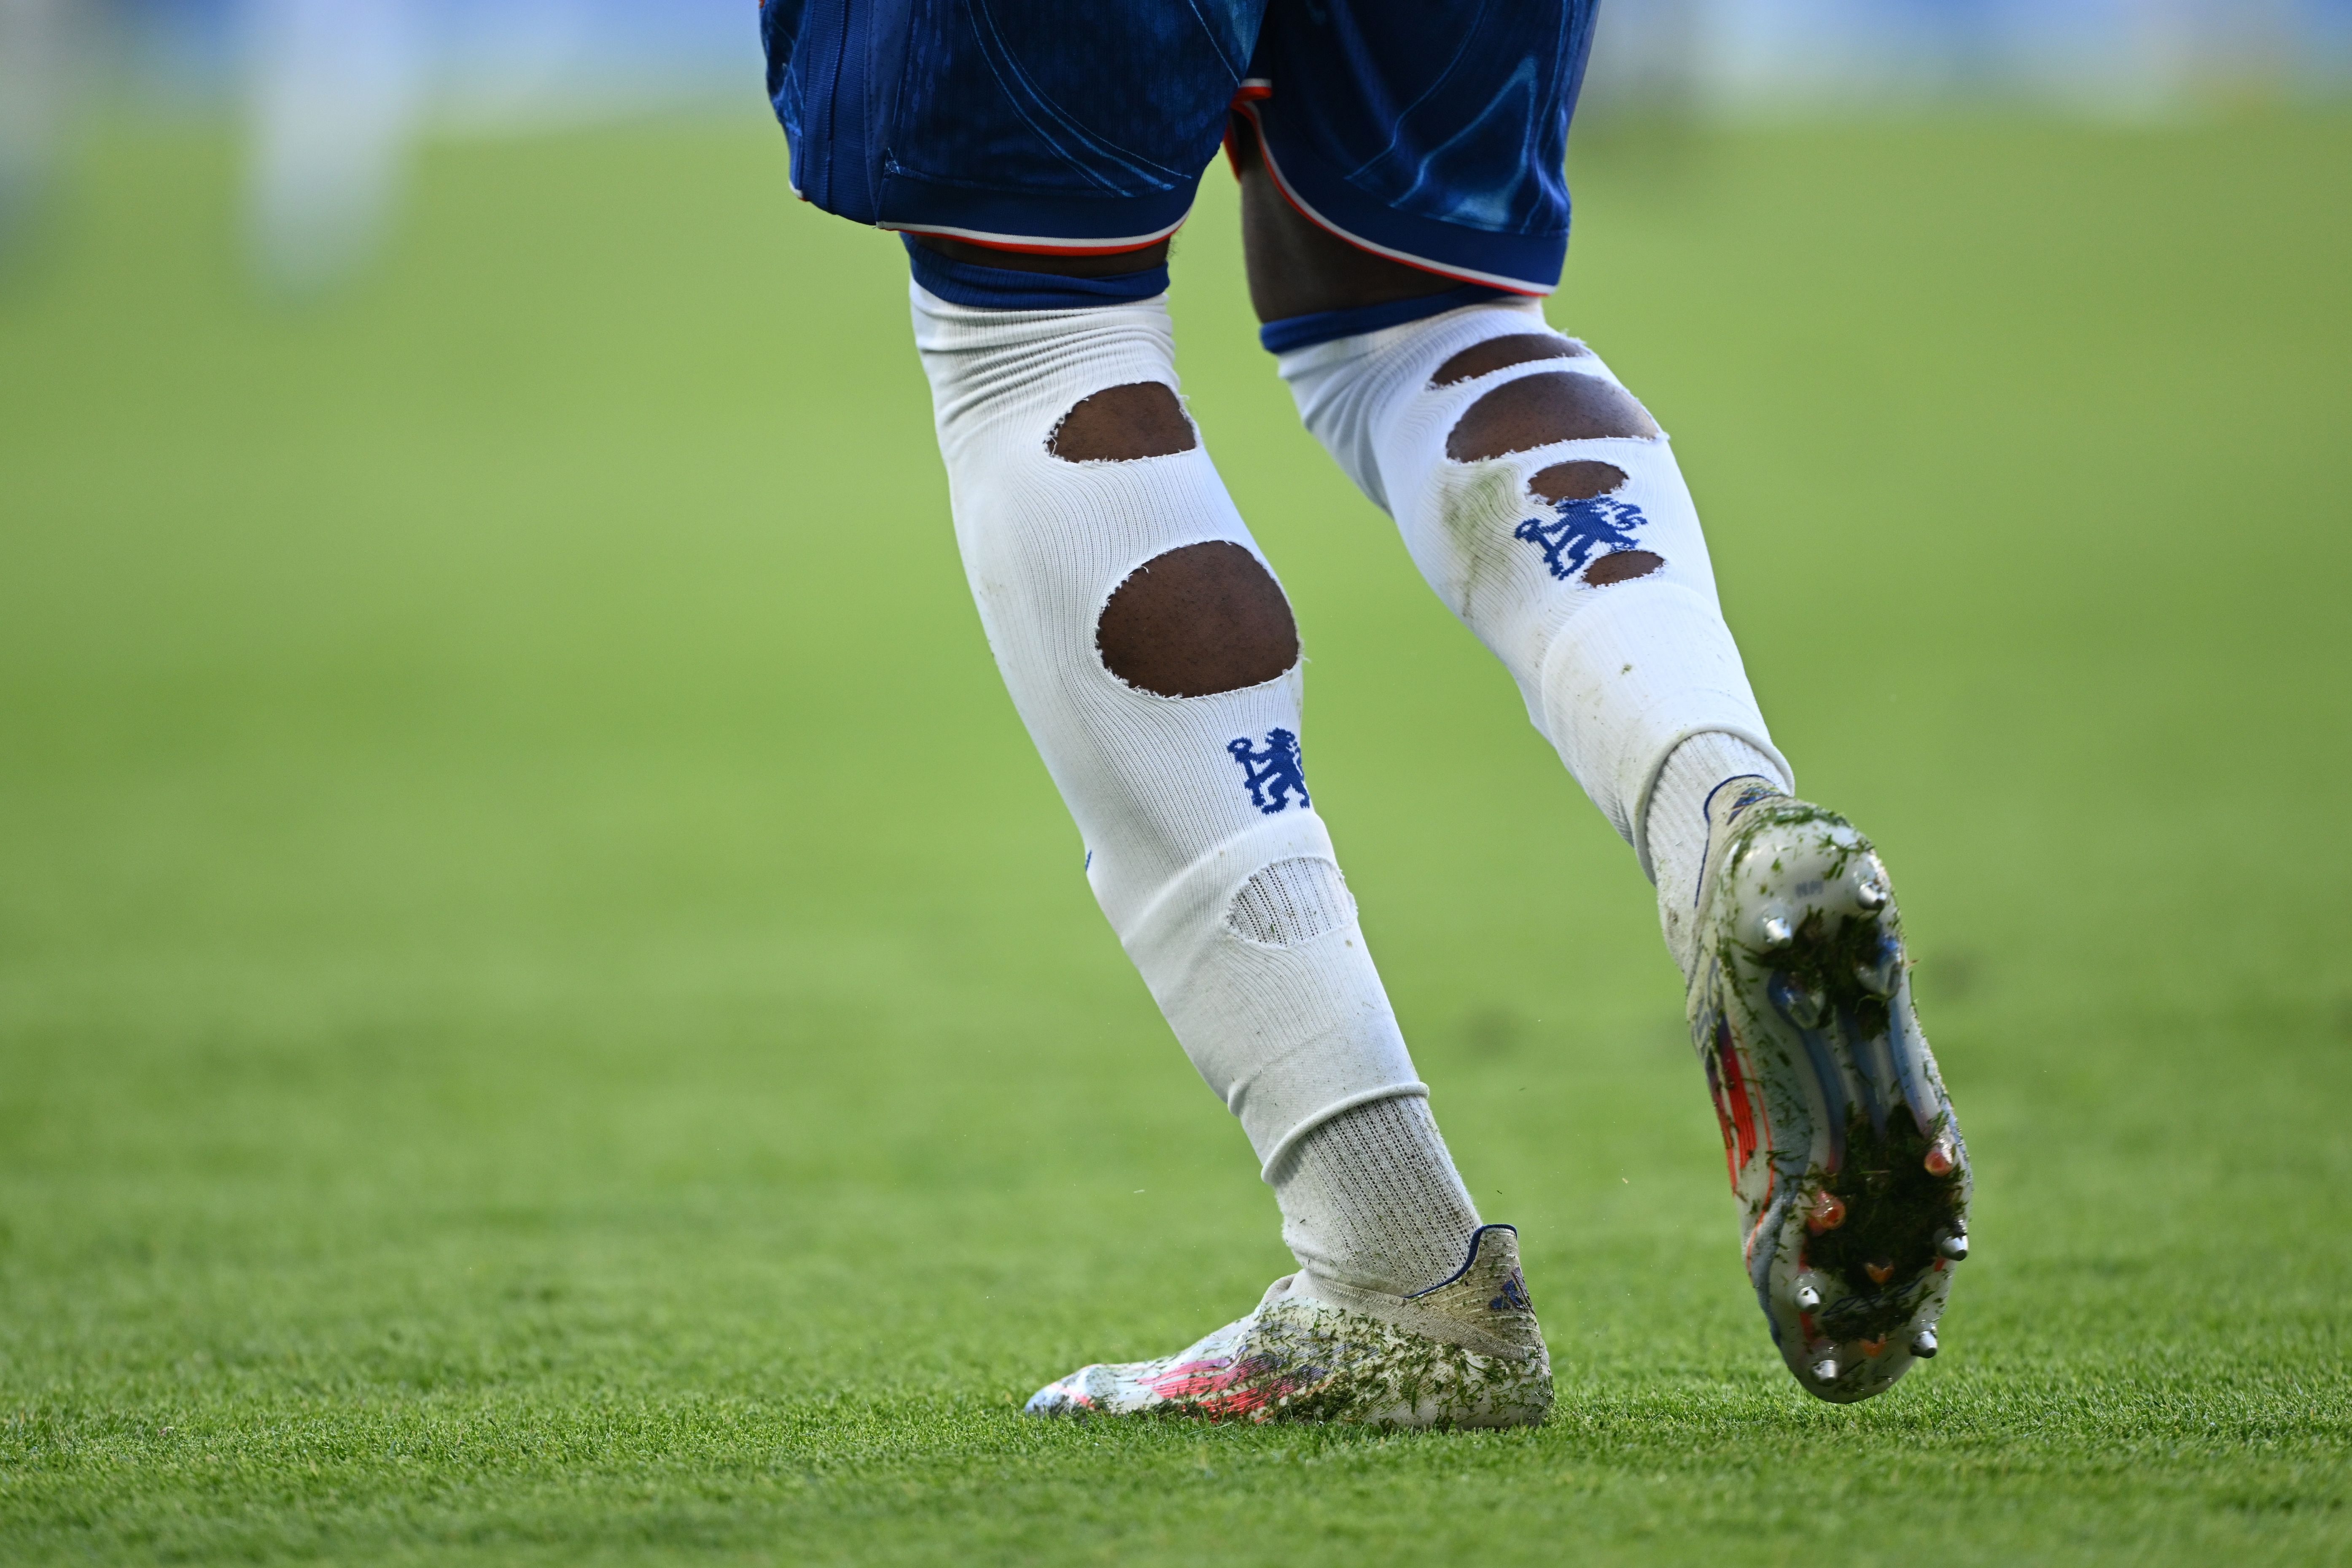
(1201, 619)
(1544, 505)
(1123, 424)
(1155, 661)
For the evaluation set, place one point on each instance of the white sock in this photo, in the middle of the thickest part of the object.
(1202, 845)
(1685, 809)
(1370, 1199)
(1616, 676)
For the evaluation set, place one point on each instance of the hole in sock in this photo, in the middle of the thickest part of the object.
(1516, 348)
(1576, 481)
(1199, 620)
(1291, 901)
(1538, 410)
(1122, 423)
(1623, 566)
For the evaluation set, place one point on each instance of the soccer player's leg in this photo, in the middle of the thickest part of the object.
(1543, 505)
(1152, 655)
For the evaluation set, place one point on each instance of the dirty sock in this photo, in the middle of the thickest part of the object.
(1202, 842)
(1370, 1199)
(1545, 507)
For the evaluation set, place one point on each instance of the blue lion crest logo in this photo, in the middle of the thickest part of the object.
(1578, 530)
(1272, 774)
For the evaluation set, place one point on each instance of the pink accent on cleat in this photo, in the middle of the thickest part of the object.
(1465, 1353)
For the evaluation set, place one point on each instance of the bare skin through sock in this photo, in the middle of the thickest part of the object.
(1369, 1198)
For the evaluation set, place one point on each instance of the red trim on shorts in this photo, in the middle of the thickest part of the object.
(1252, 90)
(1033, 248)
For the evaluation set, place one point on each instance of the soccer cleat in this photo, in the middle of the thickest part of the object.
(1465, 1353)
(1841, 1140)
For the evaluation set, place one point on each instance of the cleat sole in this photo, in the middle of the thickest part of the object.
(1855, 1179)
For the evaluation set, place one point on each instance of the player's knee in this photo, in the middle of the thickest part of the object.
(1496, 353)
(1196, 621)
(1122, 423)
(1539, 410)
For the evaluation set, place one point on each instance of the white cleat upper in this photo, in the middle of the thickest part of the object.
(1843, 1150)
(1466, 1353)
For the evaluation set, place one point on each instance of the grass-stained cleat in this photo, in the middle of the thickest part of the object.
(1843, 1149)
(1465, 1353)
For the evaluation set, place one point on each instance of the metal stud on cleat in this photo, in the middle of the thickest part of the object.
(1923, 1344)
(1878, 975)
(1842, 1148)
(1804, 1007)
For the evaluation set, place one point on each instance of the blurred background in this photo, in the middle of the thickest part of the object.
(331, 96)
(545, 999)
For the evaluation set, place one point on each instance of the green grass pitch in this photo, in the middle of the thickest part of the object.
(548, 1013)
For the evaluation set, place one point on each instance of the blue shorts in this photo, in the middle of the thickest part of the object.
(1431, 133)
